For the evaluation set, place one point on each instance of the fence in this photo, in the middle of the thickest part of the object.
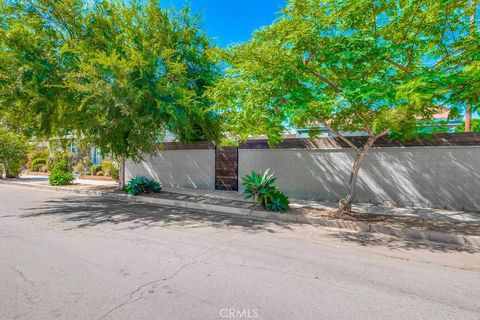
(441, 172)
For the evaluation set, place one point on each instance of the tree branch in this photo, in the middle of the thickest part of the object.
(306, 61)
(399, 66)
(448, 55)
(330, 83)
(346, 140)
(381, 134)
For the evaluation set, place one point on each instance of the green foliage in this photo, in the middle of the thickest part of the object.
(60, 178)
(352, 65)
(38, 164)
(95, 168)
(37, 153)
(475, 126)
(59, 175)
(79, 167)
(13, 152)
(86, 162)
(118, 73)
(256, 186)
(261, 187)
(277, 201)
(62, 158)
(110, 169)
(142, 184)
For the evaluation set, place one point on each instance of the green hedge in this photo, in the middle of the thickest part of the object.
(38, 164)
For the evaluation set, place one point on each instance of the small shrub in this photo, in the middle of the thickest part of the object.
(261, 187)
(13, 152)
(94, 169)
(277, 201)
(36, 153)
(65, 158)
(79, 167)
(86, 162)
(110, 169)
(38, 164)
(100, 173)
(142, 184)
(59, 176)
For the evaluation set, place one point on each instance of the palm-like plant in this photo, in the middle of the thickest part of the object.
(257, 186)
(276, 201)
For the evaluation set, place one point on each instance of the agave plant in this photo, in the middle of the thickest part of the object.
(141, 184)
(276, 201)
(258, 186)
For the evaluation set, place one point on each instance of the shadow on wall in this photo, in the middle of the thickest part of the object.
(426, 176)
(194, 169)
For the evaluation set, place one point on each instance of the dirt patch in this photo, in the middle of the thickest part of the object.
(409, 222)
(334, 214)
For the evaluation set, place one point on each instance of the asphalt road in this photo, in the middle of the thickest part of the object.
(74, 257)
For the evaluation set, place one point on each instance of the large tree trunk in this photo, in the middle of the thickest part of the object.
(121, 178)
(345, 205)
(468, 118)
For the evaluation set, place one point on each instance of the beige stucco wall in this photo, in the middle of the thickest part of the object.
(424, 176)
(177, 168)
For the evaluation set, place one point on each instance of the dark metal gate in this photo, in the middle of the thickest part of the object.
(226, 168)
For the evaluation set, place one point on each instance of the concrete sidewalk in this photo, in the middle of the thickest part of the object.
(44, 180)
(428, 213)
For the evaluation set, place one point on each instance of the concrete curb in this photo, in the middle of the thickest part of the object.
(470, 241)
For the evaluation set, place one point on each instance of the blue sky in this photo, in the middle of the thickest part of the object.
(231, 21)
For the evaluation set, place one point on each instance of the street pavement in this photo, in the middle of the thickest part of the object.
(65, 256)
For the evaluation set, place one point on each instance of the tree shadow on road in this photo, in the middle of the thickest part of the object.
(369, 239)
(88, 212)
(85, 212)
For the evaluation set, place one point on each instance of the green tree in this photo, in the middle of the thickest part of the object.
(31, 68)
(461, 63)
(128, 73)
(475, 126)
(354, 65)
(13, 152)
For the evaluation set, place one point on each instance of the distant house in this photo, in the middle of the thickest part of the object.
(442, 123)
(70, 143)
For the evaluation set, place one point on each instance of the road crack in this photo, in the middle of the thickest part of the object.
(131, 298)
(22, 275)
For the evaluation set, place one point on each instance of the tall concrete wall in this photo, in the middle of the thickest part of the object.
(425, 176)
(178, 168)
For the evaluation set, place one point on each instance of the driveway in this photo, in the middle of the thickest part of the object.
(74, 257)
